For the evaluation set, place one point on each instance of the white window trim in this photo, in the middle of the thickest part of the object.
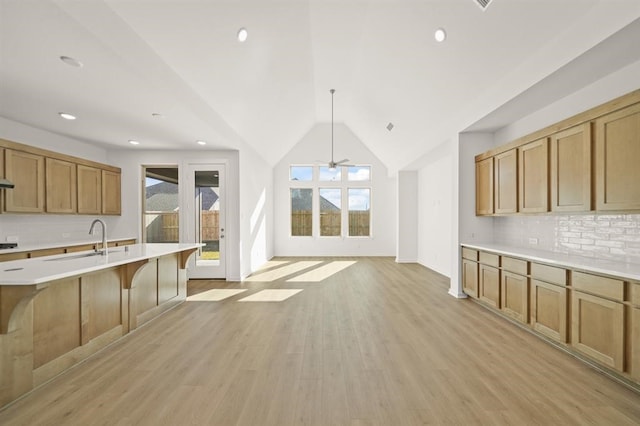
(344, 184)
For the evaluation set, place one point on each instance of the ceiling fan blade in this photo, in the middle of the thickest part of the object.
(341, 161)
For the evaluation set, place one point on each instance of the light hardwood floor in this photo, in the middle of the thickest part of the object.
(372, 342)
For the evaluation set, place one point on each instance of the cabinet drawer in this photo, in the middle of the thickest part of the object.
(490, 259)
(470, 254)
(550, 274)
(595, 284)
(517, 266)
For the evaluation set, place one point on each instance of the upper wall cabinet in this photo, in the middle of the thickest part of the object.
(49, 182)
(89, 190)
(588, 161)
(60, 186)
(26, 171)
(618, 160)
(110, 192)
(484, 187)
(533, 176)
(506, 182)
(571, 169)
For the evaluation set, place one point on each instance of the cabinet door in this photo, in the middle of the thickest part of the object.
(597, 328)
(634, 346)
(571, 169)
(533, 172)
(110, 192)
(549, 310)
(506, 182)
(89, 190)
(617, 158)
(470, 277)
(61, 186)
(484, 187)
(26, 171)
(489, 285)
(515, 296)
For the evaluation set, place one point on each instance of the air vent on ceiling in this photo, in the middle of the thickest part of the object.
(483, 3)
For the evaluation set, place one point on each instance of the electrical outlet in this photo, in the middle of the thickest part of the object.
(533, 241)
(12, 238)
(66, 235)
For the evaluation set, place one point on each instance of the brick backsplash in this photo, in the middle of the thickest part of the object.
(611, 236)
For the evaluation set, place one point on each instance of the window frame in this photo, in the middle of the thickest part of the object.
(344, 184)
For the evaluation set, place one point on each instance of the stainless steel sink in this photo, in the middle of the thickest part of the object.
(75, 256)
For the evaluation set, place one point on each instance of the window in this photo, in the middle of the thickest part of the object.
(318, 195)
(359, 173)
(330, 212)
(328, 175)
(359, 212)
(301, 212)
(160, 204)
(301, 173)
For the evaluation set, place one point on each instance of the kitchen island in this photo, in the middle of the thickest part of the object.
(56, 311)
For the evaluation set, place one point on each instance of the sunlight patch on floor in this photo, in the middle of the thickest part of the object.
(275, 295)
(278, 273)
(323, 272)
(215, 294)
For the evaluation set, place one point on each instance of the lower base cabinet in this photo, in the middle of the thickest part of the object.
(515, 296)
(470, 277)
(489, 285)
(597, 329)
(549, 310)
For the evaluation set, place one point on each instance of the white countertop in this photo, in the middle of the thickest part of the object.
(49, 268)
(630, 271)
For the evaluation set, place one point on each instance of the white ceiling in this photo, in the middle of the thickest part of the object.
(182, 59)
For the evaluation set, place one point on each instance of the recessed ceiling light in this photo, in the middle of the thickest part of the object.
(440, 35)
(71, 61)
(242, 35)
(132, 142)
(67, 116)
(201, 142)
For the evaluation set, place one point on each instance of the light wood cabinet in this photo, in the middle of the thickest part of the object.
(549, 310)
(617, 159)
(489, 285)
(533, 181)
(60, 186)
(50, 182)
(514, 289)
(26, 171)
(470, 277)
(506, 182)
(89, 190)
(571, 169)
(597, 328)
(111, 189)
(484, 187)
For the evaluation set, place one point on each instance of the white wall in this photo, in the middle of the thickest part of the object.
(435, 226)
(407, 245)
(256, 212)
(316, 145)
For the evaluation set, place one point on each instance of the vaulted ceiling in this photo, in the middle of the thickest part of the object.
(181, 59)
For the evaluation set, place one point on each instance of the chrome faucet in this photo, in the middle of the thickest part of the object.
(104, 234)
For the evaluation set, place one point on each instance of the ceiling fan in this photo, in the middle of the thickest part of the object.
(334, 164)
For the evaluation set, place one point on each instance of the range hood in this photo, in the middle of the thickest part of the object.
(5, 183)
